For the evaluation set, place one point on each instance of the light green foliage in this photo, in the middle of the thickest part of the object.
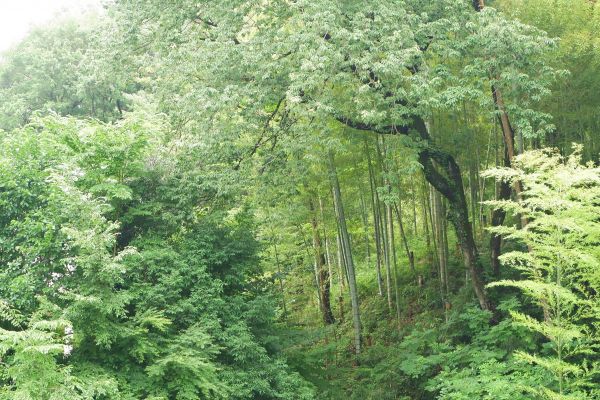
(575, 103)
(244, 76)
(559, 270)
(31, 354)
(58, 69)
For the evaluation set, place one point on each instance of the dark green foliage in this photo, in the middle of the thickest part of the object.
(176, 312)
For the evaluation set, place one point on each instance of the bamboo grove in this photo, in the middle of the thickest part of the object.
(302, 199)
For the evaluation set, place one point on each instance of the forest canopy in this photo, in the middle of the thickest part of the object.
(303, 200)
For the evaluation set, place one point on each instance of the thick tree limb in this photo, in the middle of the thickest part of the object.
(443, 172)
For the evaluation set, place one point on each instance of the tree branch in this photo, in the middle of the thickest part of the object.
(384, 130)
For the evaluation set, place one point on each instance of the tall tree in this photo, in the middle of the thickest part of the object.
(345, 62)
(323, 280)
(347, 252)
(376, 216)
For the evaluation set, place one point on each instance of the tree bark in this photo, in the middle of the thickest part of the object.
(322, 272)
(474, 191)
(280, 275)
(327, 250)
(341, 268)
(449, 184)
(395, 263)
(438, 219)
(388, 261)
(345, 242)
(409, 254)
(381, 154)
(498, 216)
(508, 136)
(365, 220)
(376, 216)
(414, 206)
(442, 171)
(424, 205)
(307, 248)
(478, 5)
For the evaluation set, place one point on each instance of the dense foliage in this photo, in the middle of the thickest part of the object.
(116, 285)
(301, 200)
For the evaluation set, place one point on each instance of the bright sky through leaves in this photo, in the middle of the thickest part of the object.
(17, 17)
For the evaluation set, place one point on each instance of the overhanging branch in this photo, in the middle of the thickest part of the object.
(427, 153)
(384, 130)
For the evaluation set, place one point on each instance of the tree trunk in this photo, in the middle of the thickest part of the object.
(414, 205)
(443, 173)
(388, 261)
(327, 250)
(385, 226)
(444, 245)
(376, 217)
(426, 213)
(345, 242)
(438, 218)
(395, 263)
(508, 135)
(451, 187)
(409, 254)
(474, 191)
(309, 256)
(341, 267)
(498, 216)
(280, 275)
(322, 272)
(365, 220)
(478, 4)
